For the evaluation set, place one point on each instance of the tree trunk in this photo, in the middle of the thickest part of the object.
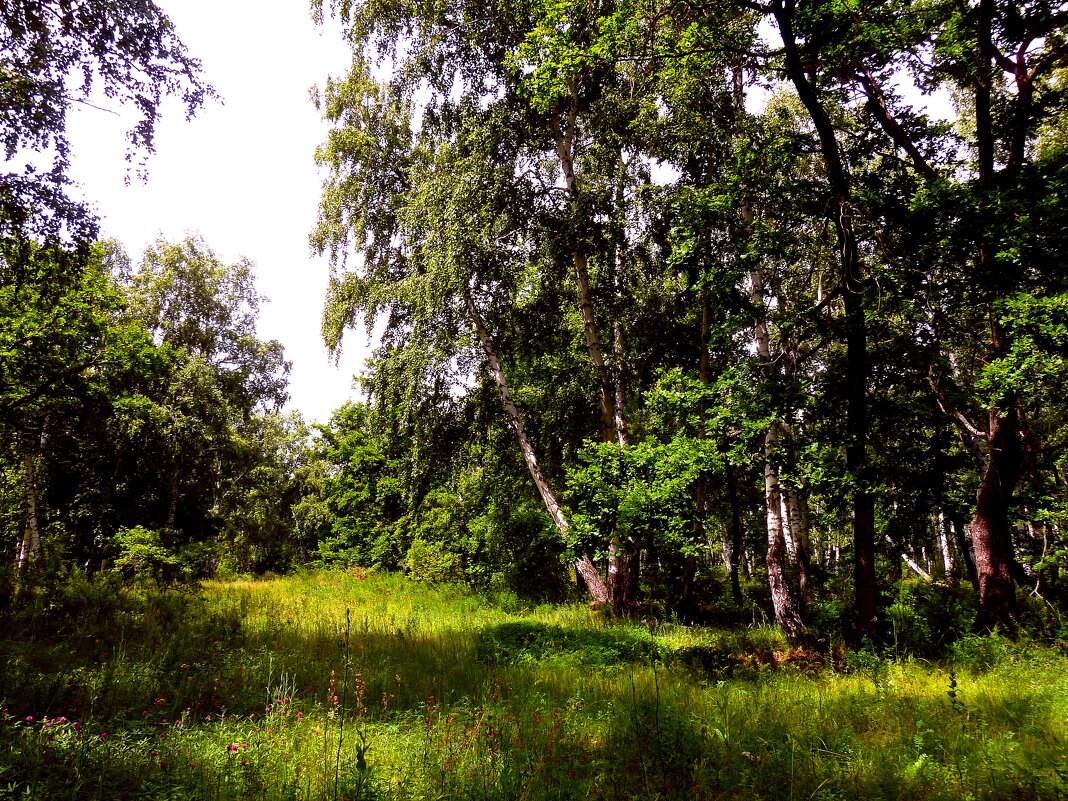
(564, 139)
(34, 444)
(172, 495)
(799, 535)
(990, 528)
(30, 549)
(689, 566)
(991, 532)
(945, 545)
(853, 288)
(734, 534)
(584, 566)
(782, 599)
(964, 548)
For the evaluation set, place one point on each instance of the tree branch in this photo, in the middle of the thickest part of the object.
(891, 125)
(948, 407)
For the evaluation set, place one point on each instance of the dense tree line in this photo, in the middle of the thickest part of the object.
(691, 307)
(141, 417)
(812, 337)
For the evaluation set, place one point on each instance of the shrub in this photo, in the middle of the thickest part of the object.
(980, 653)
(432, 563)
(928, 618)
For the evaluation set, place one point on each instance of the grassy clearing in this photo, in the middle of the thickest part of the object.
(329, 686)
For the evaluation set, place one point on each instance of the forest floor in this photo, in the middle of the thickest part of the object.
(335, 686)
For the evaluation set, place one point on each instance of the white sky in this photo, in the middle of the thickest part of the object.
(241, 174)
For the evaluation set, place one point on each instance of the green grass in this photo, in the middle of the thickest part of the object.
(330, 686)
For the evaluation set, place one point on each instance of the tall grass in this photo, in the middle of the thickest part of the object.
(332, 686)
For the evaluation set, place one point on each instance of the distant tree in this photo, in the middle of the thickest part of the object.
(205, 311)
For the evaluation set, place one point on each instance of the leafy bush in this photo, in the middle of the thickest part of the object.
(144, 552)
(980, 653)
(432, 563)
(928, 617)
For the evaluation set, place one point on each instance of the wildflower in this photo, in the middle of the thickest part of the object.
(61, 720)
(103, 735)
(76, 726)
(29, 718)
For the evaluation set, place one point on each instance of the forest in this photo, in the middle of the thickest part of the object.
(721, 359)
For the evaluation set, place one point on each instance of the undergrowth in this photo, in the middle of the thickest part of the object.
(331, 686)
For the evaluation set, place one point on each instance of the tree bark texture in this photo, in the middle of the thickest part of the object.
(991, 527)
(30, 548)
(786, 614)
(800, 537)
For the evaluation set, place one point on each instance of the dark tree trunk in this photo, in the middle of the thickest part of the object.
(734, 533)
(853, 289)
(991, 532)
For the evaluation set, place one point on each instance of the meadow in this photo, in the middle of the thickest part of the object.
(340, 686)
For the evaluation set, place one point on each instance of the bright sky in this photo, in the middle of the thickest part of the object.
(241, 174)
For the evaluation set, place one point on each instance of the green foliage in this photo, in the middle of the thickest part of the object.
(929, 619)
(121, 52)
(144, 552)
(432, 563)
(1035, 364)
(141, 549)
(981, 652)
(144, 403)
